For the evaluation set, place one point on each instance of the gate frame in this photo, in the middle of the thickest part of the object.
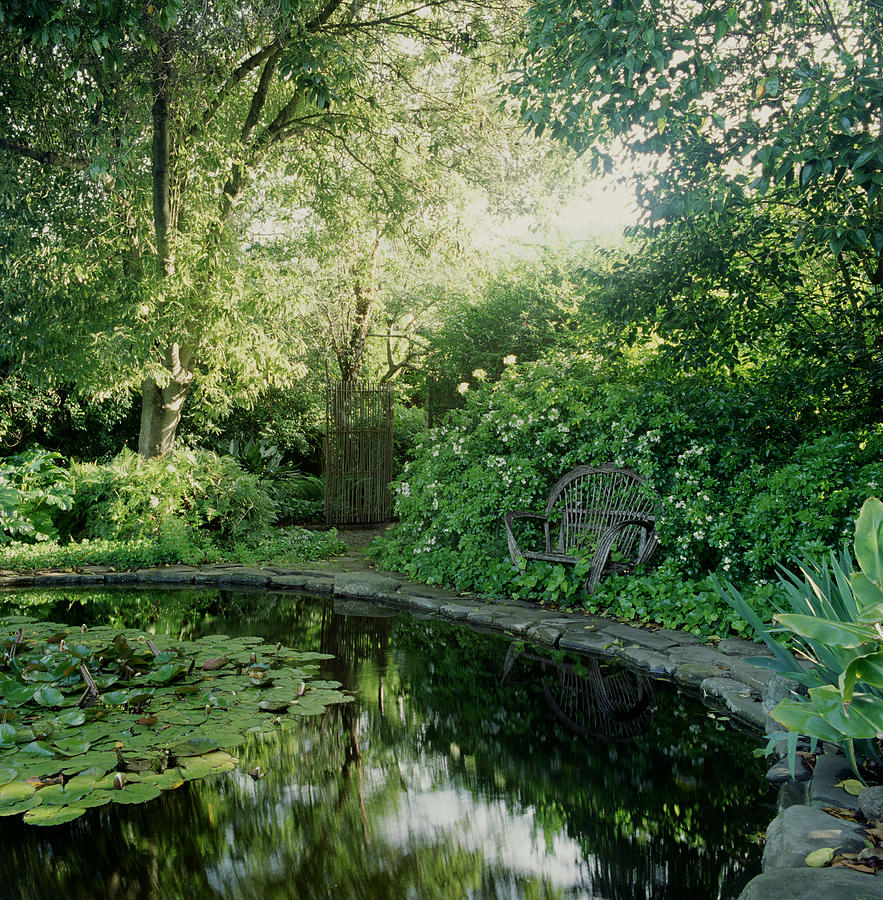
(358, 452)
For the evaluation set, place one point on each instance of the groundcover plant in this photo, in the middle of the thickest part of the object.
(96, 716)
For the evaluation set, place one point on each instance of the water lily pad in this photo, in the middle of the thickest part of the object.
(38, 748)
(37, 766)
(195, 747)
(56, 795)
(165, 781)
(53, 815)
(7, 774)
(71, 747)
(93, 759)
(15, 809)
(86, 780)
(15, 791)
(72, 718)
(115, 698)
(136, 792)
(210, 764)
(18, 695)
(96, 798)
(167, 673)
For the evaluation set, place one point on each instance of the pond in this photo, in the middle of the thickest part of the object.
(466, 768)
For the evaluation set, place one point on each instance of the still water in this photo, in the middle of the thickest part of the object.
(465, 768)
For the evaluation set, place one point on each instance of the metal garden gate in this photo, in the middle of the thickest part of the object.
(358, 453)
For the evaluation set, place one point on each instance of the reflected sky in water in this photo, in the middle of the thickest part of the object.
(439, 781)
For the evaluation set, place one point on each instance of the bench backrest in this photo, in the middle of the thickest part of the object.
(588, 500)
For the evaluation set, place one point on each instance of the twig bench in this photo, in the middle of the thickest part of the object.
(600, 512)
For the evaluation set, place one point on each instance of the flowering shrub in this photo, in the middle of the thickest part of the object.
(738, 490)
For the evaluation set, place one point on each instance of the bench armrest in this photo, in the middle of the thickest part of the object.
(602, 552)
(514, 550)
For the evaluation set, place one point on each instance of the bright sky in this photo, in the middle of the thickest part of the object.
(599, 212)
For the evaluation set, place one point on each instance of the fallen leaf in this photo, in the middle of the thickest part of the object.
(852, 786)
(820, 858)
(213, 665)
(842, 812)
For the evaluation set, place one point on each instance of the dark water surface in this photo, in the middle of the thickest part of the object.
(443, 779)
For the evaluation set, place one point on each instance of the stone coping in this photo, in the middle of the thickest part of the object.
(803, 826)
(719, 675)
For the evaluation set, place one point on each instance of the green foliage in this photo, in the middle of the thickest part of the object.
(522, 310)
(175, 543)
(834, 624)
(92, 717)
(739, 488)
(132, 498)
(61, 420)
(33, 490)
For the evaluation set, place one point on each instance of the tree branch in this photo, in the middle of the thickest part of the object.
(45, 157)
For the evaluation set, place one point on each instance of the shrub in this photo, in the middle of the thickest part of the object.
(34, 489)
(132, 498)
(740, 489)
(834, 624)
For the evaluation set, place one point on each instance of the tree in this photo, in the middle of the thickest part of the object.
(135, 136)
(762, 119)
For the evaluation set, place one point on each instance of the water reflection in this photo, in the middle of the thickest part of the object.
(438, 782)
(590, 698)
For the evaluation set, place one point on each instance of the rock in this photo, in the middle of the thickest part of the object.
(780, 772)
(693, 674)
(364, 584)
(589, 642)
(723, 688)
(830, 769)
(756, 677)
(740, 647)
(457, 610)
(640, 636)
(798, 830)
(416, 602)
(870, 801)
(485, 615)
(8, 581)
(656, 664)
(431, 591)
(46, 578)
(781, 688)
(792, 793)
(545, 634)
(699, 654)
(813, 884)
(168, 574)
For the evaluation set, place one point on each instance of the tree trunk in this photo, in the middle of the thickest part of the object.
(352, 355)
(161, 406)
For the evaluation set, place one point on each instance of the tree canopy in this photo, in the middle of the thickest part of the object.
(758, 127)
(136, 138)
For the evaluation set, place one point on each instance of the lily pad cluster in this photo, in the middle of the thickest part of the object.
(96, 716)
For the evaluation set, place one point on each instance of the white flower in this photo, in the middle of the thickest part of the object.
(479, 374)
(462, 387)
(509, 360)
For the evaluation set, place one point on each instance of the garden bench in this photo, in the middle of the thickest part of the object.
(601, 513)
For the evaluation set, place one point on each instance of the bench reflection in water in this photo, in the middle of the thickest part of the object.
(593, 699)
